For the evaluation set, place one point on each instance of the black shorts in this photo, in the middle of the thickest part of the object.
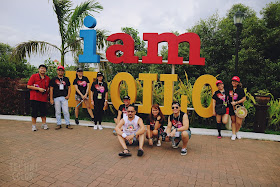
(38, 106)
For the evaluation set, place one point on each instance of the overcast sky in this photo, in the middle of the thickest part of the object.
(23, 20)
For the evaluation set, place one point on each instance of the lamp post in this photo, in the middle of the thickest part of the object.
(238, 18)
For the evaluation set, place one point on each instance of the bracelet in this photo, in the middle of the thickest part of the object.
(134, 134)
(106, 100)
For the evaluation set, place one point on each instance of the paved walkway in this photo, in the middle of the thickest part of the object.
(84, 157)
(198, 131)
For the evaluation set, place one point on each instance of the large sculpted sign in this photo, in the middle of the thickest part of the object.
(90, 56)
(153, 39)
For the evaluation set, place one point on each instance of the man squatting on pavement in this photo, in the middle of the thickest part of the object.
(178, 128)
(129, 129)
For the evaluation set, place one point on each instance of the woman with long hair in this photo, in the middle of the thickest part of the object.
(81, 84)
(220, 106)
(237, 97)
(155, 124)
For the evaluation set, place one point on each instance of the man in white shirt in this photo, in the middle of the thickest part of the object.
(129, 129)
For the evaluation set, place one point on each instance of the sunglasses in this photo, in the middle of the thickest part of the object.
(129, 111)
(175, 107)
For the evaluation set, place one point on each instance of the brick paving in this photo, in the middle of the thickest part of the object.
(84, 157)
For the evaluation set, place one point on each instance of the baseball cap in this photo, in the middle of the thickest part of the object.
(99, 74)
(175, 103)
(60, 67)
(80, 70)
(43, 65)
(126, 97)
(219, 82)
(235, 78)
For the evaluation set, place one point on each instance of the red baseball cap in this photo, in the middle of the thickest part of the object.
(219, 82)
(235, 78)
(60, 67)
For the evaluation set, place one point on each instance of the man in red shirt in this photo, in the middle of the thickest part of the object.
(39, 87)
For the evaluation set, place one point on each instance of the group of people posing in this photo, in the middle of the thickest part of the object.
(58, 90)
(225, 102)
(130, 127)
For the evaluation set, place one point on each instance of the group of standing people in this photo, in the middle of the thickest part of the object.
(129, 127)
(58, 91)
(225, 102)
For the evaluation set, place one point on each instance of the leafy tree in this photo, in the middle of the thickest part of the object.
(13, 69)
(70, 21)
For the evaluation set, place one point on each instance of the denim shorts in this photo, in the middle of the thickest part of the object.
(189, 133)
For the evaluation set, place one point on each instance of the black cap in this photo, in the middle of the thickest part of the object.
(126, 97)
(99, 74)
(43, 65)
(80, 70)
(176, 103)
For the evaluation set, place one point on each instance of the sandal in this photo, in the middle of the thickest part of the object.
(125, 154)
(58, 127)
(140, 152)
(68, 127)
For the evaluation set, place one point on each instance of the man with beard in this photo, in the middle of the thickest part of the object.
(129, 129)
(39, 86)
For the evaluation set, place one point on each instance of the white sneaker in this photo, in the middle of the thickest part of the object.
(238, 136)
(158, 143)
(184, 151)
(46, 127)
(34, 128)
(100, 127)
(233, 137)
(94, 127)
(42, 126)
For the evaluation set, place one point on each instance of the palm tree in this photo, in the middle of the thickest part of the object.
(70, 21)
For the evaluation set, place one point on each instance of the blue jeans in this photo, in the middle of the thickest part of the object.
(61, 102)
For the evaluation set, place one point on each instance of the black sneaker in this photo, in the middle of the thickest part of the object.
(77, 121)
(184, 151)
(176, 145)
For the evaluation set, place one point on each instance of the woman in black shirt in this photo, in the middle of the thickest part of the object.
(237, 97)
(81, 84)
(99, 99)
(220, 97)
(155, 124)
